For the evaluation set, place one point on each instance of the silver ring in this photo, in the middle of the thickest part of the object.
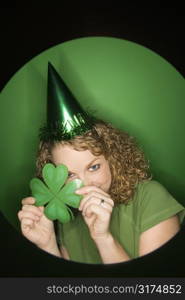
(102, 201)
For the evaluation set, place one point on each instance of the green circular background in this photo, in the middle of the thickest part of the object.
(122, 82)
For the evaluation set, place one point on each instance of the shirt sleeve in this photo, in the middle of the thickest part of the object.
(157, 205)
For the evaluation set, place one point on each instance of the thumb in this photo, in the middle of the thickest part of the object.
(41, 208)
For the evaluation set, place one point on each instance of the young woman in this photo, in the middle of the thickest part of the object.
(123, 214)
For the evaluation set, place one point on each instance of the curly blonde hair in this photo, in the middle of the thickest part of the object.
(126, 160)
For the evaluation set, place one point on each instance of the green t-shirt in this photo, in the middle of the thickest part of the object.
(150, 205)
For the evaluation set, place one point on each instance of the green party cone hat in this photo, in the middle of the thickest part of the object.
(65, 117)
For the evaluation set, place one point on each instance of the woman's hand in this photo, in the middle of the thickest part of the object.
(97, 214)
(96, 207)
(35, 226)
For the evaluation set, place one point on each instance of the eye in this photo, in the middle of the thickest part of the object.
(94, 167)
(70, 175)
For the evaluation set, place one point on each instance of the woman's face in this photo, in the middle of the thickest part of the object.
(92, 170)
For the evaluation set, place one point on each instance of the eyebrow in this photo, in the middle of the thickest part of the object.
(92, 162)
(89, 164)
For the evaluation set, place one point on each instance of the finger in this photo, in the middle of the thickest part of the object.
(27, 224)
(41, 208)
(90, 219)
(98, 196)
(87, 189)
(99, 211)
(23, 214)
(31, 208)
(104, 207)
(97, 201)
(28, 200)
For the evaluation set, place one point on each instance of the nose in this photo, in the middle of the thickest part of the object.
(86, 180)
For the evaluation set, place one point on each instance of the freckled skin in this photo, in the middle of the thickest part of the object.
(92, 170)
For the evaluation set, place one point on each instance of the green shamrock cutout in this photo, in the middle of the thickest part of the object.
(56, 193)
